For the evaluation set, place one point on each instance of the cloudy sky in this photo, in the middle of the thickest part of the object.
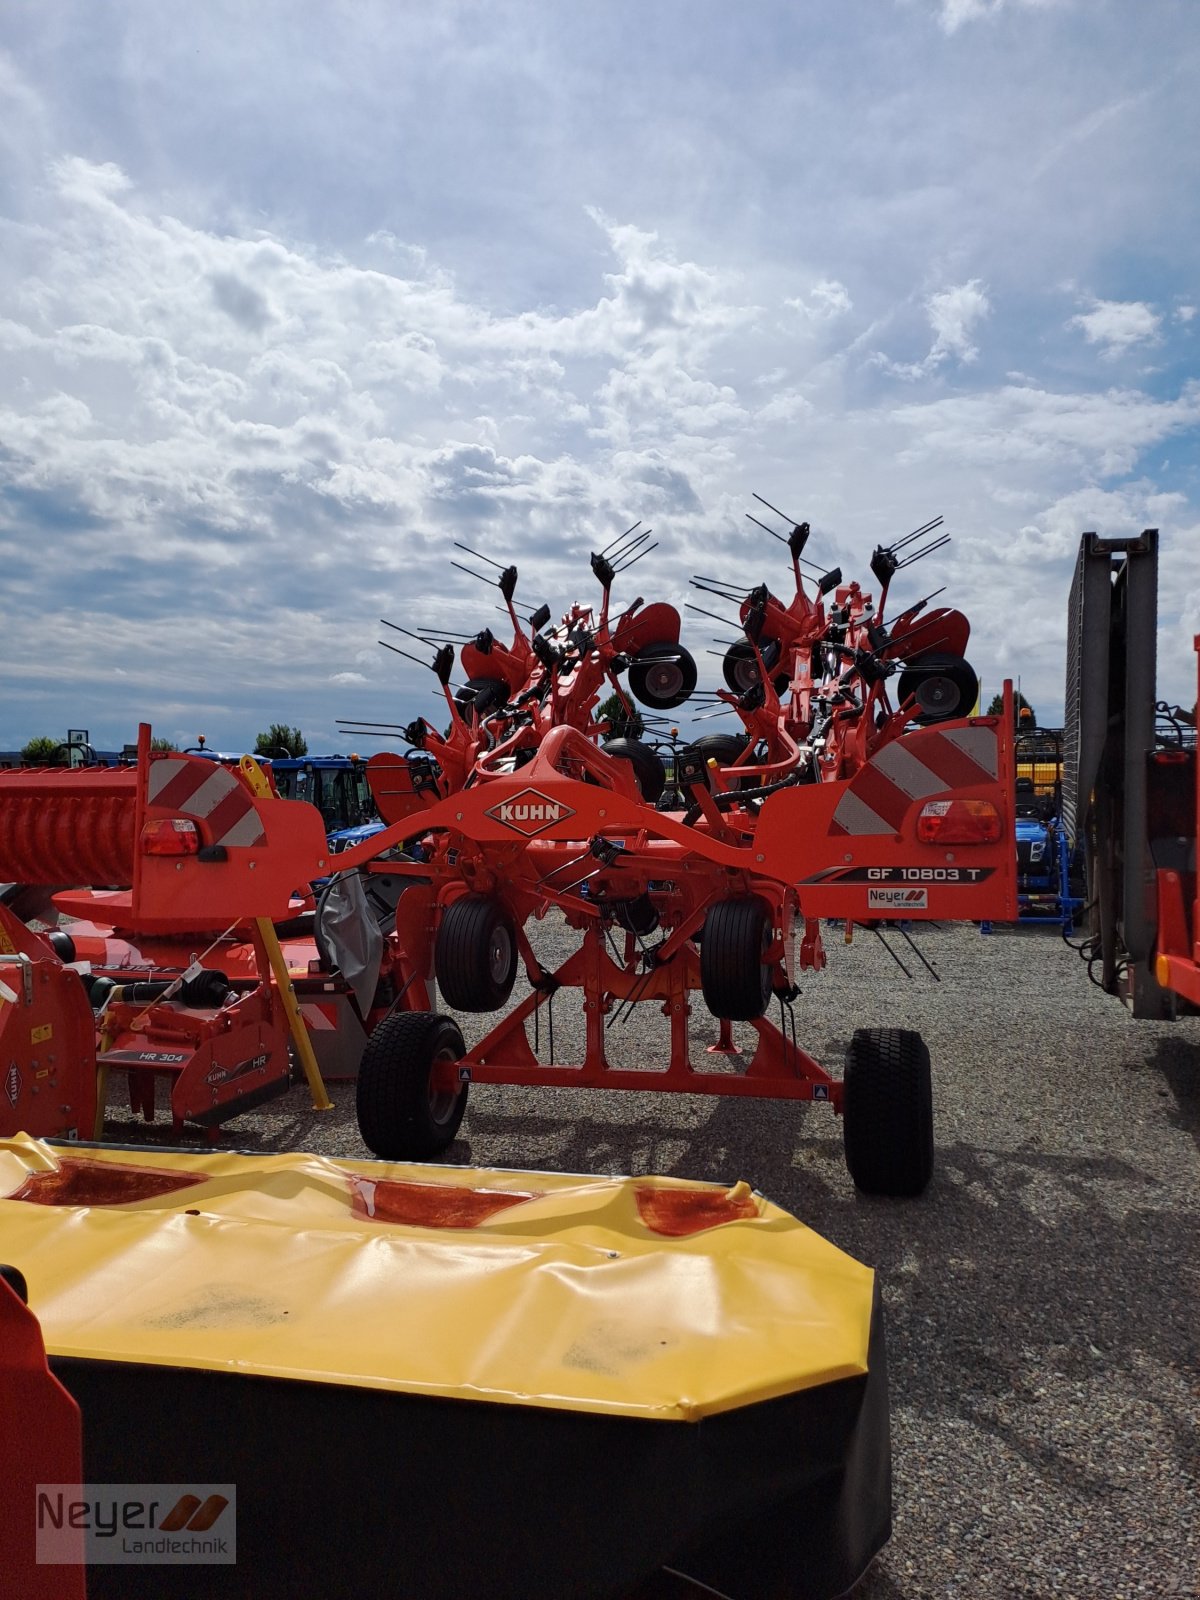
(294, 295)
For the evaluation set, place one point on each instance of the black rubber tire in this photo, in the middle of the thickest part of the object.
(400, 1118)
(662, 676)
(734, 978)
(482, 696)
(647, 765)
(945, 687)
(740, 666)
(475, 954)
(887, 1112)
(724, 749)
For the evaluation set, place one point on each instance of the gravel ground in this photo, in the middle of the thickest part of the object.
(1042, 1297)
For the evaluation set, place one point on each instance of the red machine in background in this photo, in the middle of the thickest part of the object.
(207, 860)
(47, 1038)
(810, 679)
(708, 872)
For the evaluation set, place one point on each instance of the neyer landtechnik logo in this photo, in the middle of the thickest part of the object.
(114, 1524)
(897, 899)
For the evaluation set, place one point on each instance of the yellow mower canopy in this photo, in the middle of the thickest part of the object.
(642, 1297)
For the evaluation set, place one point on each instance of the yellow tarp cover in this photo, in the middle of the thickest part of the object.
(531, 1288)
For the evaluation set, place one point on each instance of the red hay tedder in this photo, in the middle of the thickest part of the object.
(859, 787)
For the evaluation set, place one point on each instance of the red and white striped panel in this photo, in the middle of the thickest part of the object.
(918, 767)
(194, 787)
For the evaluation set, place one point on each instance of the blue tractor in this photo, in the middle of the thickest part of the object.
(1049, 878)
(337, 786)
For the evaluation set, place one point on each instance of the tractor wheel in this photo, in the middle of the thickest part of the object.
(662, 676)
(409, 1100)
(944, 686)
(735, 979)
(740, 666)
(887, 1112)
(481, 696)
(646, 762)
(475, 955)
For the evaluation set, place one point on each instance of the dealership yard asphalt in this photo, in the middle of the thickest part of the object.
(1042, 1298)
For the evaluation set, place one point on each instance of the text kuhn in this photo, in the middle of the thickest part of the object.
(530, 812)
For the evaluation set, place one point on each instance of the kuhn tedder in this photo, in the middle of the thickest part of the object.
(858, 787)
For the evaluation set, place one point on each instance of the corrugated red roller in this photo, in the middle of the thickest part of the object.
(68, 827)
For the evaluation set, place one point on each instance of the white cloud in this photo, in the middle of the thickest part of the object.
(274, 336)
(786, 406)
(1115, 325)
(826, 300)
(955, 14)
(655, 398)
(1113, 513)
(953, 313)
(1094, 433)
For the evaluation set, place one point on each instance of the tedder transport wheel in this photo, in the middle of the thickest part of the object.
(481, 695)
(887, 1111)
(475, 956)
(740, 666)
(662, 676)
(409, 1099)
(735, 979)
(945, 687)
(724, 749)
(646, 762)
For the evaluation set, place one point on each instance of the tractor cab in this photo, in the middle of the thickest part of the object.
(335, 785)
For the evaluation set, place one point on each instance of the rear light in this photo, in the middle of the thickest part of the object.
(170, 836)
(958, 822)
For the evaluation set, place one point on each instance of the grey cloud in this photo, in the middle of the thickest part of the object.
(31, 513)
(240, 300)
(675, 492)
